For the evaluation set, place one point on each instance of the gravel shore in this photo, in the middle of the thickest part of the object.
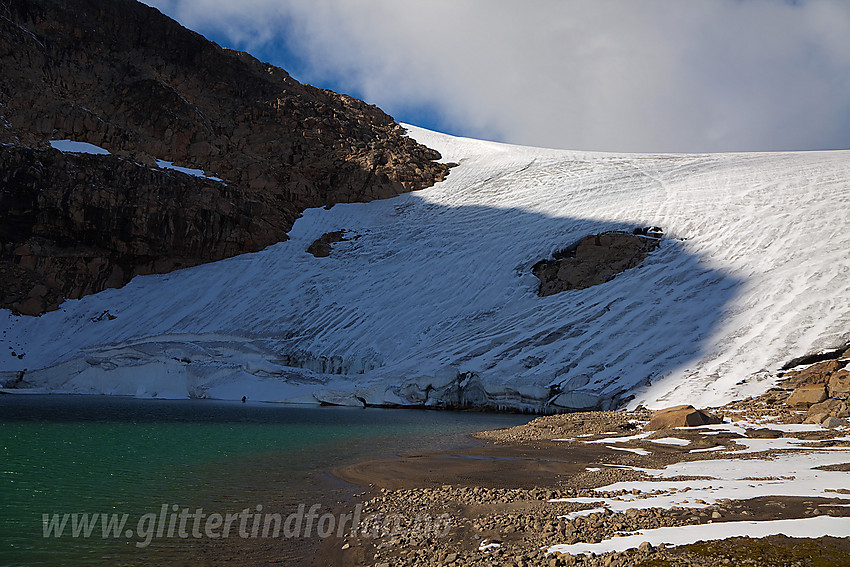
(564, 480)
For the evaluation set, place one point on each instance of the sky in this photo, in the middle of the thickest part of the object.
(606, 75)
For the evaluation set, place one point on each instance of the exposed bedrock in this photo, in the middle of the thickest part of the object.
(321, 247)
(78, 224)
(595, 259)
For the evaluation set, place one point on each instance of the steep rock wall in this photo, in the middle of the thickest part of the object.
(120, 75)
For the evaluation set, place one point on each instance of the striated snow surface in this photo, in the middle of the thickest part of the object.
(431, 300)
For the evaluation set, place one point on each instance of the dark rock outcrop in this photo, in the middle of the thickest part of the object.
(67, 240)
(119, 74)
(807, 395)
(321, 247)
(594, 260)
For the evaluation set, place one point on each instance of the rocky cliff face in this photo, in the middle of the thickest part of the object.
(120, 75)
(77, 224)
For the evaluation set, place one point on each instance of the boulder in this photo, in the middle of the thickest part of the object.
(831, 422)
(839, 384)
(807, 395)
(829, 407)
(681, 416)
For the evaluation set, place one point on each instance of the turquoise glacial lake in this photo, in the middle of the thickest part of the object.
(63, 454)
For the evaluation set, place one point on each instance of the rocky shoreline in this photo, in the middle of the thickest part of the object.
(538, 494)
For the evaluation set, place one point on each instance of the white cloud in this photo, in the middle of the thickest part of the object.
(631, 75)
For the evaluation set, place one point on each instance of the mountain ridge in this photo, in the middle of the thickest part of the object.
(122, 76)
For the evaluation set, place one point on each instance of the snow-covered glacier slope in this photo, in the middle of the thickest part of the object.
(430, 300)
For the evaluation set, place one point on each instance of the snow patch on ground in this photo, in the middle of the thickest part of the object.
(621, 439)
(709, 449)
(72, 147)
(795, 473)
(672, 441)
(582, 513)
(162, 164)
(635, 450)
(684, 535)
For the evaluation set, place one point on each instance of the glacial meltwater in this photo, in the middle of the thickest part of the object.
(71, 467)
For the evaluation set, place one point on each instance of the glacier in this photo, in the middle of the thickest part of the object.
(430, 301)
